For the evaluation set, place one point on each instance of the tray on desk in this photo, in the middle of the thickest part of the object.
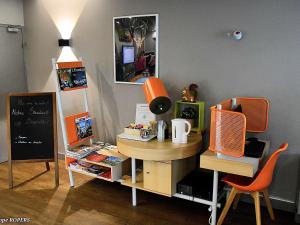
(135, 138)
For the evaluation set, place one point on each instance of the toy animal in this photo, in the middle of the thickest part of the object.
(190, 94)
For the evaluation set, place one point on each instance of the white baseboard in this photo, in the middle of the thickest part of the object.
(277, 203)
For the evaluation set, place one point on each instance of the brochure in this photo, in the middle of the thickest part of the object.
(72, 78)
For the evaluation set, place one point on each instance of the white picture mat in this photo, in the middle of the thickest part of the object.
(143, 114)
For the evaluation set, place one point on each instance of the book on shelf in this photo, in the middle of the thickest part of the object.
(72, 78)
(109, 147)
(91, 168)
(81, 151)
(79, 165)
(83, 127)
(96, 157)
(98, 170)
(112, 160)
(106, 174)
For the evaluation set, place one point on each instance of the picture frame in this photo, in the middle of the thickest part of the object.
(135, 48)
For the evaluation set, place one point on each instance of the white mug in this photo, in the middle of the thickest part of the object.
(179, 133)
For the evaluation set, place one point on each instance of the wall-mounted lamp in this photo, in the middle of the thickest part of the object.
(64, 42)
(66, 54)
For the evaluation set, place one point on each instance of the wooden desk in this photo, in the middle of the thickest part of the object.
(164, 163)
(243, 166)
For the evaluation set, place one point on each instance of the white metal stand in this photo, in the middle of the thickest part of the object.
(71, 178)
(62, 116)
(133, 180)
(215, 198)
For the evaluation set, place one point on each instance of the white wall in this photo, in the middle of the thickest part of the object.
(11, 12)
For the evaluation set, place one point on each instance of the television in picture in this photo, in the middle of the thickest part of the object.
(128, 54)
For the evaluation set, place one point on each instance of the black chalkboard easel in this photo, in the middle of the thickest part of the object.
(31, 130)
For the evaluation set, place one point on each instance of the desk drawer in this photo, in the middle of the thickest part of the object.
(157, 176)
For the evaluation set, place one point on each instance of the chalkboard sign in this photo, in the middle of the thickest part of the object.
(31, 120)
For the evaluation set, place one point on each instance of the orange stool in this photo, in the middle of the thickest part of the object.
(259, 183)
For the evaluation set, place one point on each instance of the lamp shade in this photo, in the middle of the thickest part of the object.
(156, 96)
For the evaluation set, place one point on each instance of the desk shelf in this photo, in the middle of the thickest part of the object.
(126, 181)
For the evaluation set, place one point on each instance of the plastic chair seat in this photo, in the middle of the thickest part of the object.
(240, 182)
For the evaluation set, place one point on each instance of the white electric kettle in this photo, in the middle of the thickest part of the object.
(179, 133)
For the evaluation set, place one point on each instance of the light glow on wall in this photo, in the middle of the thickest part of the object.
(65, 28)
(65, 15)
(67, 55)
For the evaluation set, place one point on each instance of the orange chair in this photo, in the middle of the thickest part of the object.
(259, 183)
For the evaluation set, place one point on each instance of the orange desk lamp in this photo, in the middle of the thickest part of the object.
(156, 96)
(228, 127)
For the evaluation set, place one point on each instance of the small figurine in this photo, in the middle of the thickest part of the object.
(190, 94)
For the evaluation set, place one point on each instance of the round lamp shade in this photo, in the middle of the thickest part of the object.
(156, 96)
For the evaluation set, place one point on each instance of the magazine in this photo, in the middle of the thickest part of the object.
(96, 157)
(96, 169)
(112, 160)
(80, 151)
(72, 78)
(83, 127)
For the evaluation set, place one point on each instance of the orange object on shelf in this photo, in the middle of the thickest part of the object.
(228, 128)
(226, 104)
(227, 132)
(71, 129)
(156, 96)
(76, 88)
(256, 111)
(66, 65)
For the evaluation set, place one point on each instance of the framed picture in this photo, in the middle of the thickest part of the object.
(135, 40)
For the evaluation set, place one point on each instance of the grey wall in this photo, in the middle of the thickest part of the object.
(11, 12)
(193, 48)
(12, 78)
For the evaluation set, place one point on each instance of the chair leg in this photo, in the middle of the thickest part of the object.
(232, 194)
(255, 196)
(268, 204)
(236, 201)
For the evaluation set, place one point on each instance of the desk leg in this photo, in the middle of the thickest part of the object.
(215, 199)
(133, 180)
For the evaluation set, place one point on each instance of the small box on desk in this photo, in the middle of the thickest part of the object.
(131, 131)
(198, 183)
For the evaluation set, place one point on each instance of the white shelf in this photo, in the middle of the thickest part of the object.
(116, 170)
(89, 174)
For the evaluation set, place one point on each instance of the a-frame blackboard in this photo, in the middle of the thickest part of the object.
(32, 129)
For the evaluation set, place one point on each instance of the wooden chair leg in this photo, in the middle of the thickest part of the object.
(255, 196)
(232, 194)
(236, 201)
(268, 204)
